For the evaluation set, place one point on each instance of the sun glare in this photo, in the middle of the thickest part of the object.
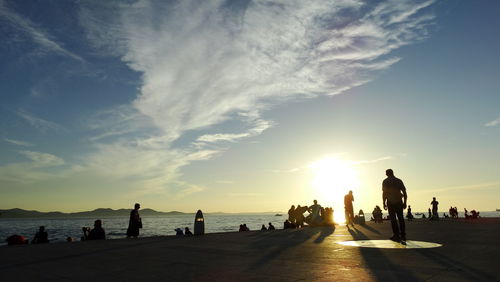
(332, 179)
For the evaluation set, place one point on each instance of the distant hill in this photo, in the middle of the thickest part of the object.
(102, 212)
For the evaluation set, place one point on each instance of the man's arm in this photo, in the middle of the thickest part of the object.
(384, 199)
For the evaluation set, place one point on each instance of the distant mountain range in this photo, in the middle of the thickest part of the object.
(102, 212)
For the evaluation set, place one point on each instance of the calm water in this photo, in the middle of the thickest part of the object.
(116, 227)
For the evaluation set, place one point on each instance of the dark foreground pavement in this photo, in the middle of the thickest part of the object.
(470, 251)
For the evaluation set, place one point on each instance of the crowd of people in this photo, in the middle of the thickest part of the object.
(393, 195)
(317, 216)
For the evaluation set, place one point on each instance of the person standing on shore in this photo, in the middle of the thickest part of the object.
(392, 191)
(349, 209)
(434, 204)
(135, 222)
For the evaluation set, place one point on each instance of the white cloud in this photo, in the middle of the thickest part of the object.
(35, 33)
(19, 143)
(493, 122)
(39, 123)
(209, 62)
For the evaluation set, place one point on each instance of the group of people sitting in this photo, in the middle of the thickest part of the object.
(317, 216)
(269, 227)
(41, 237)
(187, 232)
(453, 211)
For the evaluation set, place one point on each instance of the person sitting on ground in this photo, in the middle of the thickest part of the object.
(187, 232)
(263, 228)
(245, 226)
(286, 224)
(271, 226)
(241, 228)
(178, 232)
(98, 232)
(41, 236)
(86, 232)
(474, 214)
(377, 214)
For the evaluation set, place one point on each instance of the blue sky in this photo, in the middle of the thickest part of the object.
(224, 106)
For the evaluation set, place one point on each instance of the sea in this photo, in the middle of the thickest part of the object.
(59, 229)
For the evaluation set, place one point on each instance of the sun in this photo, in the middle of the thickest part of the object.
(332, 179)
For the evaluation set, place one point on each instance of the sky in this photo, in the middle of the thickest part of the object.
(248, 106)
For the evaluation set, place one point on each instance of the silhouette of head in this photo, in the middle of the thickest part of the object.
(434, 198)
(350, 192)
(41, 228)
(98, 223)
(389, 172)
(315, 202)
(137, 206)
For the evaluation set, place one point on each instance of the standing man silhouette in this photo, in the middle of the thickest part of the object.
(349, 210)
(393, 190)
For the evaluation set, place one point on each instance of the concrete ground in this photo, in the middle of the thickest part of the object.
(470, 252)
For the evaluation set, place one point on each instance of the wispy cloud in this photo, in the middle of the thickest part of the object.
(35, 33)
(33, 170)
(19, 143)
(493, 122)
(210, 62)
(371, 161)
(39, 123)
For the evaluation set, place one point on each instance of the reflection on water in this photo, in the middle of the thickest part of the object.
(116, 227)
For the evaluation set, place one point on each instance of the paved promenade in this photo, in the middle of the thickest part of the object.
(470, 252)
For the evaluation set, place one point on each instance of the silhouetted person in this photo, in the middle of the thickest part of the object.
(245, 227)
(430, 213)
(393, 190)
(41, 236)
(86, 232)
(263, 228)
(134, 223)
(286, 224)
(291, 214)
(349, 210)
(98, 232)
(435, 204)
(315, 215)
(377, 214)
(409, 215)
(271, 226)
(187, 232)
(178, 232)
(299, 215)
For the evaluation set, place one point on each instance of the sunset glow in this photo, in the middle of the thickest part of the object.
(332, 179)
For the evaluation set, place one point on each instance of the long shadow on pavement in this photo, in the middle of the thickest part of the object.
(378, 264)
(275, 243)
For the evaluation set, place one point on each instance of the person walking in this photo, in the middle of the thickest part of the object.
(393, 189)
(135, 222)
